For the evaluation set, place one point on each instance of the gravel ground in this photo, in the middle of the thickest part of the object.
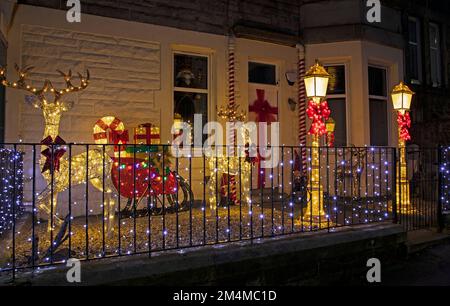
(193, 229)
(196, 232)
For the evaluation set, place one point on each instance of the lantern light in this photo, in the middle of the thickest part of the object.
(330, 125)
(316, 82)
(401, 97)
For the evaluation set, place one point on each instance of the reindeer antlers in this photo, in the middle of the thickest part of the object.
(70, 87)
(48, 86)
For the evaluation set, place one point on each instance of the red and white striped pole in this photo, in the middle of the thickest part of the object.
(301, 105)
(232, 102)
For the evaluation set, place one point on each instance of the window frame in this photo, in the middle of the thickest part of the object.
(208, 91)
(418, 45)
(380, 98)
(343, 96)
(439, 54)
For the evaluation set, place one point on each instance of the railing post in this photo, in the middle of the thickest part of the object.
(394, 186)
(440, 217)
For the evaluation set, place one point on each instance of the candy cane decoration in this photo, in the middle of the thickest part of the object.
(118, 134)
(232, 102)
(302, 105)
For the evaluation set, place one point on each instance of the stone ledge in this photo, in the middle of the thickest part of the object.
(291, 258)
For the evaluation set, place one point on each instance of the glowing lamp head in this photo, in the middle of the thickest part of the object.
(316, 81)
(330, 125)
(401, 98)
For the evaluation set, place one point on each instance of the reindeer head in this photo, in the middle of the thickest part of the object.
(48, 98)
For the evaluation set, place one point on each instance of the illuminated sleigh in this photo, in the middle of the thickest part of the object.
(141, 171)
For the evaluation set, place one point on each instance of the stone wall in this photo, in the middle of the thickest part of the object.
(124, 75)
(210, 16)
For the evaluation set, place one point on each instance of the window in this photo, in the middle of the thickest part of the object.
(337, 100)
(435, 55)
(191, 87)
(414, 51)
(262, 73)
(378, 107)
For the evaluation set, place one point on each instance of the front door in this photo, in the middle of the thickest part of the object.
(263, 93)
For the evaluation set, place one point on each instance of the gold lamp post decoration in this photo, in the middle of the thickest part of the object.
(316, 84)
(330, 126)
(401, 101)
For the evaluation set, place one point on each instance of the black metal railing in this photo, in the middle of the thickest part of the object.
(90, 201)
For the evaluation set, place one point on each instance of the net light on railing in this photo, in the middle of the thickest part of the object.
(401, 97)
(316, 81)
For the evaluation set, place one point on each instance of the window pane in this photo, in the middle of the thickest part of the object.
(261, 73)
(413, 31)
(191, 71)
(414, 56)
(434, 36)
(187, 104)
(339, 114)
(378, 122)
(413, 62)
(377, 81)
(435, 55)
(336, 84)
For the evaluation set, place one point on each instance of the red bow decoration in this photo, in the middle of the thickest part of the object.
(318, 113)
(404, 123)
(52, 161)
(331, 139)
(119, 138)
(264, 111)
(248, 158)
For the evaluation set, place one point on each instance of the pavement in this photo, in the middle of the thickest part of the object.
(427, 267)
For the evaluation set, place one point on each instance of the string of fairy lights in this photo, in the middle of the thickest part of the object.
(356, 190)
(11, 187)
(343, 204)
(445, 173)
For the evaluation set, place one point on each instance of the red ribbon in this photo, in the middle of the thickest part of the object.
(119, 138)
(404, 123)
(264, 111)
(318, 113)
(331, 139)
(148, 136)
(52, 160)
(248, 158)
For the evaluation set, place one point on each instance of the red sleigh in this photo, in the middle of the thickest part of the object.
(134, 178)
(134, 175)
